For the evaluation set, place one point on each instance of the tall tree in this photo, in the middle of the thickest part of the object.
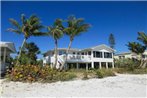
(75, 26)
(112, 41)
(142, 37)
(139, 48)
(56, 31)
(32, 51)
(28, 27)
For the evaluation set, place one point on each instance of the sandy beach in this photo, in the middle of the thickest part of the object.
(122, 85)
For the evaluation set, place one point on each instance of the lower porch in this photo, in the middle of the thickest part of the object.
(89, 65)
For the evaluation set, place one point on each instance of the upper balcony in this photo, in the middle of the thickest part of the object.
(75, 58)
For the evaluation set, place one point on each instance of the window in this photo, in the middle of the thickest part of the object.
(60, 52)
(82, 53)
(89, 53)
(78, 53)
(107, 55)
(97, 54)
(74, 53)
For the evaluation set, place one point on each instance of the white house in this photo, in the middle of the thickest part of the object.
(93, 57)
(130, 55)
(5, 49)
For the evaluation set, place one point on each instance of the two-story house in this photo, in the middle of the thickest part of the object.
(93, 57)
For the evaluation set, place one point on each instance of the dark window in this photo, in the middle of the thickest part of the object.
(82, 53)
(94, 54)
(97, 54)
(107, 55)
(78, 53)
(74, 53)
(89, 53)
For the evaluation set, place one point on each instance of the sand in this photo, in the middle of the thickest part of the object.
(122, 85)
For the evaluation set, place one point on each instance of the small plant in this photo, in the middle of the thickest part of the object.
(101, 73)
(85, 75)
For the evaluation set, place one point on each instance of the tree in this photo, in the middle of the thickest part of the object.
(56, 31)
(112, 41)
(28, 27)
(142, 37)
(136, 47)
(75, 26)
(29, 54)
(139, 48)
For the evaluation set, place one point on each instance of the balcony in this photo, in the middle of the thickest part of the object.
(72, 58)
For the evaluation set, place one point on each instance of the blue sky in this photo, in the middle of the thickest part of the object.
(123, 19)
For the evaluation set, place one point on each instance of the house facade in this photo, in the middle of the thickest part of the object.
(6, 48)
(130, 55)
(93, 57)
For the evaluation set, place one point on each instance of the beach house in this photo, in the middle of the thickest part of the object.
(130, 55)
(6, 48)
(93, 57)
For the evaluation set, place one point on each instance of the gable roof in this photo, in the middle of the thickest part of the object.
(100, 47)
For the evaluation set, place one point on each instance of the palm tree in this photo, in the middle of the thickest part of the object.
(138, 49)
(75, 27)
(142, 37)
(28, 27)
(56, 31)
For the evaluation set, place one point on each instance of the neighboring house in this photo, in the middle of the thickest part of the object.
(94, 57)
(130, 55)
(5, 49)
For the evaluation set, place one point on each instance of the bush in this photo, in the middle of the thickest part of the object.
(128, 64)
(85, 75)
(65, 76)
(101, 73)
(32, 73)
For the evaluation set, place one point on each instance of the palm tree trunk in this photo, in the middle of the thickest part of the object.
(64, 65)
(24, 41)
(56, 45)
(144, 64)
(142, 61)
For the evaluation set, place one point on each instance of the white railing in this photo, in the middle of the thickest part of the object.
(72, 57)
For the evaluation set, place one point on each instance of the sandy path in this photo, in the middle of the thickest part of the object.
(118, 86)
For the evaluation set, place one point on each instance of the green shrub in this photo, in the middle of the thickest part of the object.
(127, 63)
(65, 76)
(85, 75)
(101, 73)
(32, 73)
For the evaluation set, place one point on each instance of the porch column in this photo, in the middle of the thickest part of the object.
(103, 55)
(86, 66)
(106, 65)
(100, 65)
(4, 58)
(77, 65)
(92, 64)
(112, 64)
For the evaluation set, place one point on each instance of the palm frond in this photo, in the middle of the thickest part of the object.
(14, 30)
(23, 19)
(142, 37)
(136, 47)
(14, 23)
